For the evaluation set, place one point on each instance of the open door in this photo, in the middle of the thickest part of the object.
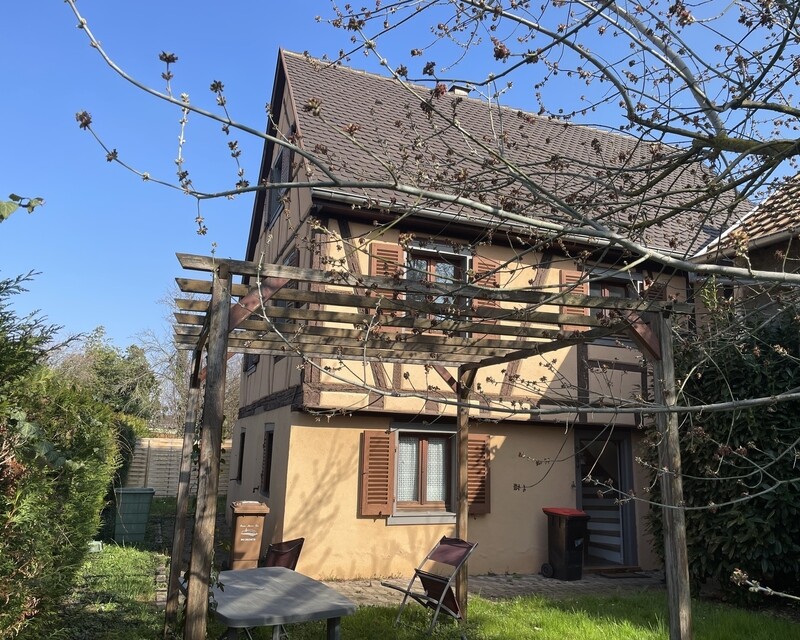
(611, 528)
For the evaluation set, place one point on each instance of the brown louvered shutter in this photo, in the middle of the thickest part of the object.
(377, 473)
(656, 292)
(485, 271)
(571, 283)
(478, 474)
(385, 259)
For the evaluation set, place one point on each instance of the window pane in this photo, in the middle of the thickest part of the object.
(437, 470)
(408, 469)
(417, 269)
(444, 272)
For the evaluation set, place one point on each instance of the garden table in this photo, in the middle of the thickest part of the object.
(275, 596)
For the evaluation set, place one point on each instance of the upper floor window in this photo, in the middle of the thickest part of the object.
(279, 173)
(611, 288)
(434, 266)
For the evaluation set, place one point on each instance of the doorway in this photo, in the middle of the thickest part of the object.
(604, 469)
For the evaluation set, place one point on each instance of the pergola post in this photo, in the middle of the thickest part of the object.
(182, 500)
(465, 379)
(676, 559)
(210, 450)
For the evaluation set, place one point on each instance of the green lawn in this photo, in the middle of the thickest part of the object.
(114, 601)
(639, 617)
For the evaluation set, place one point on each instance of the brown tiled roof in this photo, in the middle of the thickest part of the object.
(780, 212)
(594, 171)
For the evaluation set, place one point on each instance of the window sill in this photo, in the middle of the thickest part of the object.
(422, 517)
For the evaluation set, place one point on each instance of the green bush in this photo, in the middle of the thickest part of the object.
(57, 458)
(742, 466)
(64, 455)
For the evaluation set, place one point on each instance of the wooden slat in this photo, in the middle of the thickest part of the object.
(156, 464)
(472, 323)
(390, 304)
(344, 278)
(327, 336)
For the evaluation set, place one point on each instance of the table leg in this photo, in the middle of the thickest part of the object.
(334, 629)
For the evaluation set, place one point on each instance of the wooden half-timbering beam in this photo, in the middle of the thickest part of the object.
(254, 299)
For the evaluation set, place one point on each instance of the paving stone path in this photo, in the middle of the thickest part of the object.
(369, 592)
(506, 586)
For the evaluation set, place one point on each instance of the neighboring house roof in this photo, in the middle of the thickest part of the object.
(369, 127)
(775, 219)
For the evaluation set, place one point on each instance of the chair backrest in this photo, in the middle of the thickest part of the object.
(283, 554)
(451, 551)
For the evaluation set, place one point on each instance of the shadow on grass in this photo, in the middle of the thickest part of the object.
(112, 600)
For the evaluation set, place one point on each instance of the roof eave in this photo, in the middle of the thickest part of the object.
(323, 194)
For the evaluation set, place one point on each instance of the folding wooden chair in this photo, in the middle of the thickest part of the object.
(436, 575)
(283, 554)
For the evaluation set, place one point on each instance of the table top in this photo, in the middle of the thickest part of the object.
(269, 596)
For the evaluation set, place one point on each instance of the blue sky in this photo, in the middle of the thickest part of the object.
(105, 241)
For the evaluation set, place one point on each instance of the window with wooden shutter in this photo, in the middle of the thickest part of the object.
(571, 283)
(478, 493)
(377, 473)
(485, 275)
(424, 490)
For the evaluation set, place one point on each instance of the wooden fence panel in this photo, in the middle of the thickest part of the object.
(157, 462)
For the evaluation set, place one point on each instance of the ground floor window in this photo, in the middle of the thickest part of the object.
(405, 472)
(240, 459)
(424, 471)
(266, 458)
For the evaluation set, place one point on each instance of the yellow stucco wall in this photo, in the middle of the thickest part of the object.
(317, 492)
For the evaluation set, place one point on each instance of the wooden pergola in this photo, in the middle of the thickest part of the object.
(336, 314)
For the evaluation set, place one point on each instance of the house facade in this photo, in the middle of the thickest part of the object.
(358, 456)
